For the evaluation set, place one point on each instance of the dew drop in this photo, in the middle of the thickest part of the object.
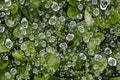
(82, 56)
(80, 6)
(24, 23)
(2, 14)
(112, 61)
(8, 2)
(81, 29)
(7, 75)
(2, 29)
(70, 37)
(55, 6)
(8, 43)
(104, 4)
(96, 11)
(63, 45)
(52, 20)
(107, 51)
(72, 23)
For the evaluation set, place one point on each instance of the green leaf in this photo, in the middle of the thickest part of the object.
(72, 2)
(13, 19)
(19, 55)
(114, 16)
(3, 64)
(35, 3)
(115, 78)
(72, 12)
(3, 48)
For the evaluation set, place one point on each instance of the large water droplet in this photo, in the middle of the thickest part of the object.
(112, 61)
(63, 45)
(55, 6)
(7, 75)
(52, 20)
(8, 2)
(24, 23)
(8, 43)
(70, 37)
(104, 4)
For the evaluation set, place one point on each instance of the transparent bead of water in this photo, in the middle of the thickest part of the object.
(23, 30)
(97, 57)
(94, 2)
(41, 35)
(70, 37)
(55, 6)
(2, 14)
(95, 66)
(47, 6)
(43, 43)
(80, 6)
(52, 39)
(13, 71)
(8, 43)
(112, 61)
(31, 37)
(90, 52)
(81, 29)
(20, 40)
(82, 56)
(112, 44)
(2, 29)
(34, 25)
(104, 4)
(35, 71)
(79, 16)
(8, 2)
(96, 11)
(86, 39)
(62, 18)
(10, 23)
(107, 51)
(72, 23)
(43, 25)
(22, 1)
(52, 20)
(97, 41)
(24, 23)
(7, 75)
(23, 46)
(27, 53)
(48, 33)
(63, 45)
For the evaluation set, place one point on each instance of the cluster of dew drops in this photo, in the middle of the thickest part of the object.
(53, 39)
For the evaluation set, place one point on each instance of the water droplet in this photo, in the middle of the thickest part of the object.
(63, 45)
(23, 46)
(86, 39)
(8, 43)
(55, 6)
(52, 39)
(97, 57)
(2, 14)
(104, 4)
(8, 2)
(97, 41)
(2, 29)
(81, 29)
(107, 51)
(80, 6)
(24, 23)
(70, 37)
(72, 23)
(52, 20)
(96, 11)
(7, 75)
(22, 1)
(112, 61)
(94, 2)
(79, 16)
(62, 18)
(34, 25)
(10, 23)
(41, 35)
(13, 71)
(95, 66)
(82, 56)
(90, 52)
